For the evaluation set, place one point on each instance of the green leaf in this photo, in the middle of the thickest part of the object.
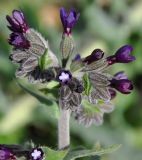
(38, 96)
(54, 155)
(44, 60)
(87, 84)
(72, 155)
(53, 93)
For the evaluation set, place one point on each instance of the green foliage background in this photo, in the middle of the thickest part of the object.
(105, 24)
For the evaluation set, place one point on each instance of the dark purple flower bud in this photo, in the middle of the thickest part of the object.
(112, 93)
(37, 154)
(124, 86)
(95, 55)
(17, 22)
(18, 41)
(122, 55)
(6, 154)
(64, 77)
(68, 19)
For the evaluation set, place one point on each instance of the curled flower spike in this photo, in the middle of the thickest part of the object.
(19, 41)
(17, 22)
(121, 83)
(6, 154)
(68, 19)
(95, 55)
(36, 154)
(122, 55)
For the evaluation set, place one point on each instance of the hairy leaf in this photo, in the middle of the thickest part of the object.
(18, 55)
(38, 44)
(89, 114)
(98, 66)
(99, 79)
(76, 99)
(100, 93)
(65, 93)
(72, 155)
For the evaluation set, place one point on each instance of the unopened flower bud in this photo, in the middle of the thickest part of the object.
(122, 55)
(95, 55)
(68, 20)
(17, 22)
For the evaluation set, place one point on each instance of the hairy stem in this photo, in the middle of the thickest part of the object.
(64, 129)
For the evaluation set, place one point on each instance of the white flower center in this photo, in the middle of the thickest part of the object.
(36, 154)
(64, 77)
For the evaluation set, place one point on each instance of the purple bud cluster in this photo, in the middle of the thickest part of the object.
(18, 26)
(120, 82)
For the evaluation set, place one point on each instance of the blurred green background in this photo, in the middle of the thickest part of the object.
(105, 24)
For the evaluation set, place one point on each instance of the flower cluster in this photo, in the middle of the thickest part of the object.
(100, 86)
(85, 86)
(30, 50)
(12, 152)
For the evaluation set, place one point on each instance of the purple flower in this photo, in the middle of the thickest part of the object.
(37, 154)
(18, 41)
(64, 77)
(95, 55)
(122, 55)
(68, 19)
(6, 154)
(124, 86)
(17, 22)
(121, 83)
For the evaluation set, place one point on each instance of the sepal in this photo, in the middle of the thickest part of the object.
(66, 46)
